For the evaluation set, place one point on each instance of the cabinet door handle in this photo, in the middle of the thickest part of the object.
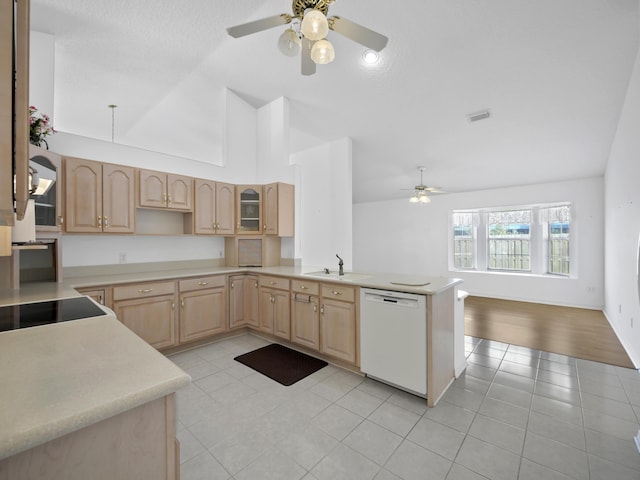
(322, 309)
(202, 284)
(231, 284)
(336, 293)
(145, 290)
(106, 222)
(273, 299)
(182, 302)
(304, 287)
(173, 306)
(164, 198)
(99, 220)
(271, 282)
(60, 219)
(315, 307)
(264, 227)
(256, 284)
(169, 201)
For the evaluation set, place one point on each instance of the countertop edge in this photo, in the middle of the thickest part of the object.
(38, 436)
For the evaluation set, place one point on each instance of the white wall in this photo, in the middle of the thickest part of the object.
(41, 65)
(622, 225)
(396, 236)
(323, 204)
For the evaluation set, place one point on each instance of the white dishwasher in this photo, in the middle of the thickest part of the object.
(393, 338)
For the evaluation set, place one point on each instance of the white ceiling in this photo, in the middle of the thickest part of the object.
(553, 75)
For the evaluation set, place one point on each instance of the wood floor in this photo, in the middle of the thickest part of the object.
(577, 332)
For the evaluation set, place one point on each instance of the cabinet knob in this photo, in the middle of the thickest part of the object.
(99, 220)
(304, 287)
(106, 222)
(322, 309)
(182, 302)
(336, 293)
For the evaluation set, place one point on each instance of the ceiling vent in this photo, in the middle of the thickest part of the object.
(476, 117)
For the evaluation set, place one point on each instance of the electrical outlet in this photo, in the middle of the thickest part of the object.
(122, 257)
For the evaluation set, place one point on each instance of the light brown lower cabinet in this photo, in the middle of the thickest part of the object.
(97, 294)
(338, 323)
(305, 320)
(243, 301)
(203, 307)
(275, 317)
(149, 310)
(140, 443)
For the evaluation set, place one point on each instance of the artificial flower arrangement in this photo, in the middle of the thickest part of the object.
(39, 128)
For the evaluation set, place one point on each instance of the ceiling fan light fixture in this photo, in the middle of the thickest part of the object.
(314, 25)
(322, 52)
(289, 43)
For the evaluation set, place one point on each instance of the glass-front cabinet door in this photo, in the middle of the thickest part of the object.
(249, 209)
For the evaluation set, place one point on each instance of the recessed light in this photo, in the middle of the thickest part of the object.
(370, 57)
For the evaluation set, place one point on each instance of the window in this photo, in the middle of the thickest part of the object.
(558, 220)
(463, 240)
(509, 235)
(525, 239)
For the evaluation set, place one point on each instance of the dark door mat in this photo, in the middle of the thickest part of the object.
(282, 364)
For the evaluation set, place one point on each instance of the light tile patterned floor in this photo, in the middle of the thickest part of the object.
(516, 413)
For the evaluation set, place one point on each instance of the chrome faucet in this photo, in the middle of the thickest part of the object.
(340, 265)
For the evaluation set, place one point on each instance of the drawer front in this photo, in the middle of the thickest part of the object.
(274, 282)
(303, 286)
(338, 292)
(141, 290)
(200, 283)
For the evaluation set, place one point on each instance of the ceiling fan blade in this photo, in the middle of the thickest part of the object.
(358, 33)
(308, 66)
(258, 25)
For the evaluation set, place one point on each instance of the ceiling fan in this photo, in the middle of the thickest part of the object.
(310, 26)
(420, 191)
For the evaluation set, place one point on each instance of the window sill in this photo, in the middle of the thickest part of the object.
(514, 274)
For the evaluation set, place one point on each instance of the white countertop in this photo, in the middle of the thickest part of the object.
(420, 284)
(58, 378)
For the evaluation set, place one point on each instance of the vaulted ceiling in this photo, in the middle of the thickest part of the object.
(553, 76)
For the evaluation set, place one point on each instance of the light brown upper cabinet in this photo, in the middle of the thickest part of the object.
(48, 202)
(99, 198)
(278, 209)
(164, 190)
(249, 209)
(214, 208)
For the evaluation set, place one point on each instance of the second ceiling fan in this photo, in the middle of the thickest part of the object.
(309, 35)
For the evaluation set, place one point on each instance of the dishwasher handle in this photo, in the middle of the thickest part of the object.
(391, 301)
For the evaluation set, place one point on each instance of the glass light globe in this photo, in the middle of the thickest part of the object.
(314, 25)
(424, 199)
(414, 199)
(322, 52)
(289, 43)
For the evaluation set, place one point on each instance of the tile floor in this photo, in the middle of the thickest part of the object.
(516, 413)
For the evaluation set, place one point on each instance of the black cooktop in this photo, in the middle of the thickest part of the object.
(42, 313)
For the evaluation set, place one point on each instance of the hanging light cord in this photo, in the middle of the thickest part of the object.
(113, 120)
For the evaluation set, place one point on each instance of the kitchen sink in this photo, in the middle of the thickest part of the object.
(347, 277)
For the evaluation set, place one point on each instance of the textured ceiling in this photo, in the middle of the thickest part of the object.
(553, 75)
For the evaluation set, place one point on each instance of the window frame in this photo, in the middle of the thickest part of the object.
(539, 240)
